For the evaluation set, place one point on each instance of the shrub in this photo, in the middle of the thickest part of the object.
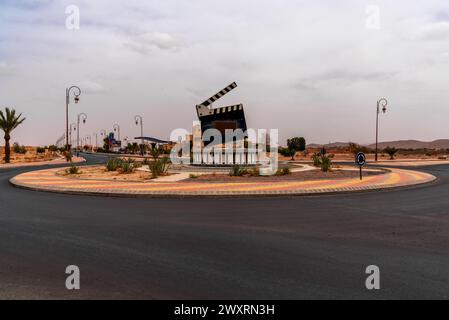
(113, 164)
(159, 167)
(73, 170)
(19, 149)
(40, 150)
(391, 151)
(323, 161)
(68, 156)
(193, 176)
(237, 171)
(128, 165)
(316, 158)
(53, 148)
(254, 172)
(283, 171)
(326, 163)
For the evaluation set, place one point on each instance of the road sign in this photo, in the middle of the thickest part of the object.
(360, 159)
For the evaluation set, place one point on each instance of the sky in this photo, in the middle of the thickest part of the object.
(313, 69)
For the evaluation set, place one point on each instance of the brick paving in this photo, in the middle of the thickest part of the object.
(47, 180)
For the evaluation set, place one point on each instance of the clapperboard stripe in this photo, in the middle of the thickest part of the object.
(228, 109)
(220, 94)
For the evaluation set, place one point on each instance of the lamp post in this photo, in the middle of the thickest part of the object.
(81, 117)
(139, 119)
(382, 103)
(77, 93)
(116, 128)
(72, 128)
(96, 140)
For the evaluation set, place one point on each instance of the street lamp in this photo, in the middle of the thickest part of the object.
(116, 128)
(77, 94)
(81, 117)
(139, 119)
(381, 105)
(72, 128)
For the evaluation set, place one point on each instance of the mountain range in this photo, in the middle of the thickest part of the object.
(402, 144)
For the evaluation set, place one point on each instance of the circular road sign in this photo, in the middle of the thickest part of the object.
(360, 159)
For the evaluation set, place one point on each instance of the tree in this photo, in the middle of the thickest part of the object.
(296, 144)
(8, 122)
(391, 151)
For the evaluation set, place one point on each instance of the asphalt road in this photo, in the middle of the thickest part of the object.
(263, 248)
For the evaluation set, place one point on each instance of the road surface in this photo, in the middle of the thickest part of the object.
(262, 248)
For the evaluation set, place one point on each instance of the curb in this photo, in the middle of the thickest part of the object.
(222, 194)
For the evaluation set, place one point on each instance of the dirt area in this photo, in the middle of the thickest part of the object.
(100, 173)
(294, 176)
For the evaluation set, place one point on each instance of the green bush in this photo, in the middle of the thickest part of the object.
(391, 151)
(68, 156)
(40, 150)
(53, 148)
(323, 161)
(128, 165)
(237, 171)
(193, 176)
(254, 172)
(113, 164)
(316, 158)
(18, 148)
(159, 166)
(283, 171)
(73, 170)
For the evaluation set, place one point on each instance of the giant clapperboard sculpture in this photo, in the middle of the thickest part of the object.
(230, 117)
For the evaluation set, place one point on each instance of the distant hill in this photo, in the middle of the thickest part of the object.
(402, 144)
(414, 144)
(329, 145)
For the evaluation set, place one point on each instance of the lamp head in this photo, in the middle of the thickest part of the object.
(384, 109)
(77, 99)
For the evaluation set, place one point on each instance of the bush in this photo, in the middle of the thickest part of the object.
(128, 165)
(73, 170)
(193, 176)
(18, 148)
(254, 172)
(237, 171)
(326, 163)
(391, 151)
(113, 164)
(283, 171)
(53, 148)
(159, 167)
(316, 158)
(68, 156)
(40, 150)
(323, 161)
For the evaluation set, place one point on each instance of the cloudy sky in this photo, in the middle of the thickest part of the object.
(313, 69)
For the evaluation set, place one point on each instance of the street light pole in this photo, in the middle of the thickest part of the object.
(67, 101)
(96, 140)
(72, 128)
(116, 127)
(382, 103)
(140, 119)
(84, 116)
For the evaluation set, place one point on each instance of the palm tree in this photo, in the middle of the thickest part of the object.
(8, 122)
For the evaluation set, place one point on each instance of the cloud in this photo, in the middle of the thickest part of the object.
(435, 31)
(146, 42)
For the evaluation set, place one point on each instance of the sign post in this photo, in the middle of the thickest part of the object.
(360, 159)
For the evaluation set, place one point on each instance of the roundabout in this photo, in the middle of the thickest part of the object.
(51, 180)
